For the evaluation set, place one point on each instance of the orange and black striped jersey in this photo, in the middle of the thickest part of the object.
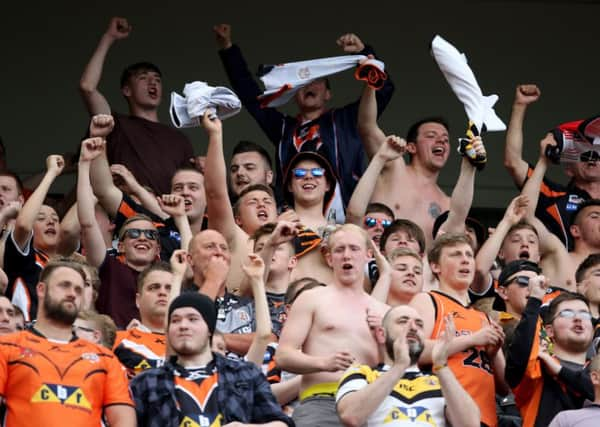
(48, 383)
(556, 205)
(23, 271)
(472, 367)
(196, 394)
(138, 350)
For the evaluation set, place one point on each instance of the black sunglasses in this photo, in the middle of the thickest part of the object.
(522, 281)
(135, 233)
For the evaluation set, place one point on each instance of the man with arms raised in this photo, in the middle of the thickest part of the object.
(255, 206)
(150, 149)
(427, 143)
(327, 330)
(50, 377)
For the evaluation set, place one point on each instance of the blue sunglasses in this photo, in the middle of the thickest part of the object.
(371, 222)
(302, 172)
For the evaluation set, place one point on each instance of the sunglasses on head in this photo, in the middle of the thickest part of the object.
(371, 222)
(302, 172)
(135, 233)
(522, 281)
(570, 314)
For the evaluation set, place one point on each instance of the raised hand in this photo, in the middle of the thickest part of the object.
(118, 28)
(254, 267)
(172, 204)
(10, 210)
(401, 350)
(179, 262)
(289, 215)
(91, 148)
(538, 286)
(392, 148)
(548, 141)
(223, 35)
(55, 164)
(211, 126)
(101, 125)
(199, 162)
(216, 269)
(516, 210)
(527, 94)
(350, 43)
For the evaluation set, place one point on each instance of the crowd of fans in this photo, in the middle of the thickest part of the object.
(338, 286)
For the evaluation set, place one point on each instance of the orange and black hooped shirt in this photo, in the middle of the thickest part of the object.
(48, 383)
(138, 350)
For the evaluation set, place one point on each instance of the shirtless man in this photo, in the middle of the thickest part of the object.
(327, 330)
(421, 199)
(474, 356)
(255, 206)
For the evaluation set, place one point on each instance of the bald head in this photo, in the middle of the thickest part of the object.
(203, 247)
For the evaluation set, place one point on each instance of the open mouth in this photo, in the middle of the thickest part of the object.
(153, 92)
(347, 266)
(464, 271)
(262, 215)
(50, 232)
(524, 254)
(438, 151)
(309, 187)
(142, 247)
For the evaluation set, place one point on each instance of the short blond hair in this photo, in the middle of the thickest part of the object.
(400, 252)
(350, 228)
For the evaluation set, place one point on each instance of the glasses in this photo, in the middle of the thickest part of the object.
(522, 281)
(589, 156)
(371, 222)
(135, 233)
(315, 172)
(84, 329)
(571, 314)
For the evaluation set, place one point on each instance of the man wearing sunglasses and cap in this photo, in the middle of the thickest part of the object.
(547, 382)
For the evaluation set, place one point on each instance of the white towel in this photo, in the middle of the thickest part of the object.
(198, 97)
(284, 80)
(460, 77)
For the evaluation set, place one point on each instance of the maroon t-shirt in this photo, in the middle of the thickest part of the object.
(151, 151)
(118, 286)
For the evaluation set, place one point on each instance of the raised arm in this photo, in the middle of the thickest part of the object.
(462, 195)
(555, 260)
(254, 268)
(91, 234)
(381, 290)
(174, 206)
(513, 150)
(368, 129)
(131, 186)
(218, 205)
(389, 151)
(515, 212)
(95, 102)
(70, 232)
(104, 188)
(245, 86)
(31, 208)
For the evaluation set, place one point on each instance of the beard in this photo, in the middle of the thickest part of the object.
(58, 311)
(415, 348)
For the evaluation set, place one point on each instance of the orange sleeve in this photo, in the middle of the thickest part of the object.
(4, 354)
(116, 389)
